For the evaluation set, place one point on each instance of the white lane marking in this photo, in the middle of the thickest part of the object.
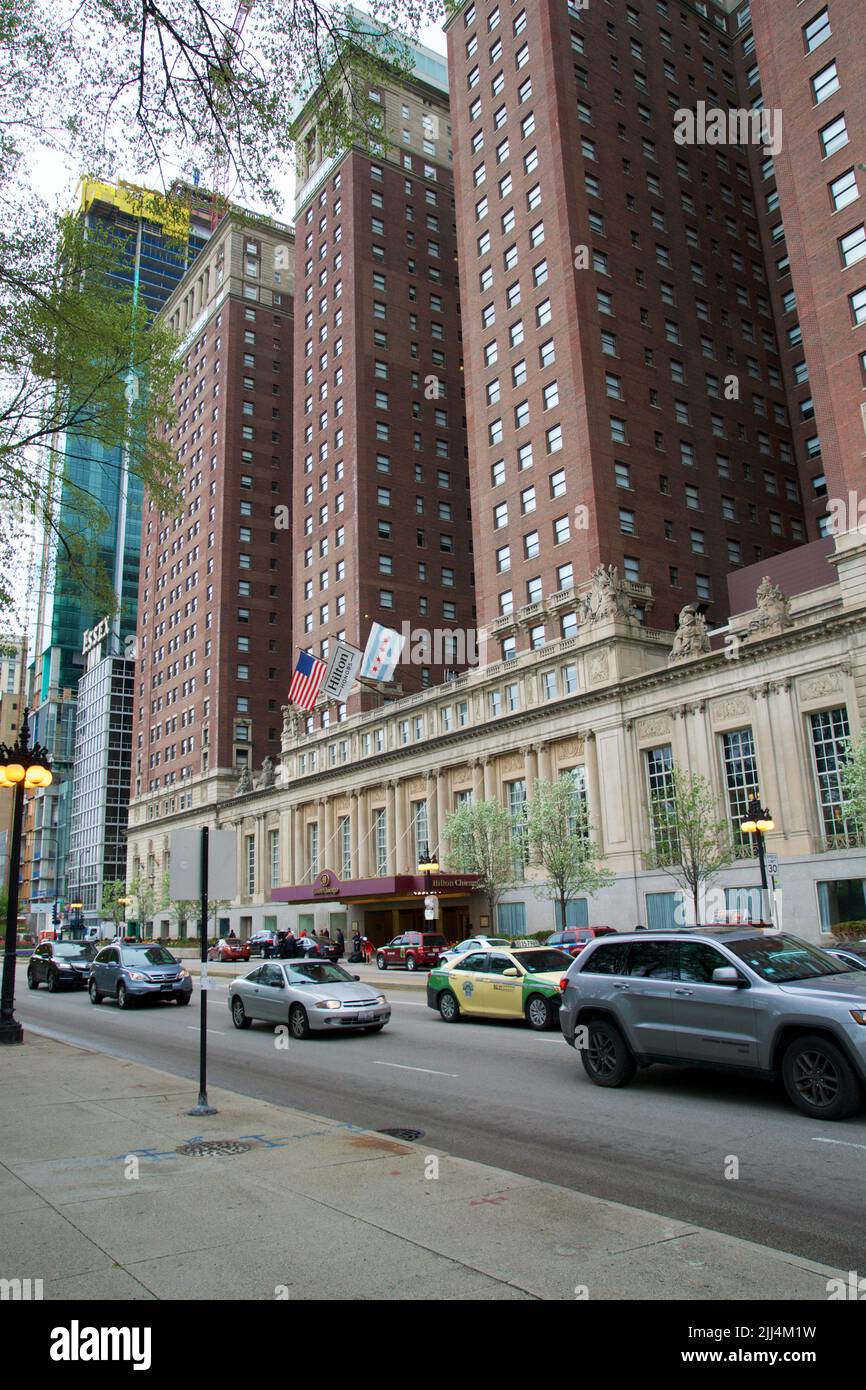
(428, 1070)
(845, 1143)
(191, 1028)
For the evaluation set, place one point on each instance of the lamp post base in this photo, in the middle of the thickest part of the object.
(11, 1031)
(202, 1107)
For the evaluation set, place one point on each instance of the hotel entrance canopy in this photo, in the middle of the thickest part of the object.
(327, 887)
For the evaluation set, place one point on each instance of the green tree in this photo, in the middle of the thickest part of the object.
(480, 841)
(691, 841)
(163, 91)
(852, 780)
(560, 838)
(112, 906)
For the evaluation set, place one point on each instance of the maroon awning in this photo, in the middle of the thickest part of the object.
(327, 887)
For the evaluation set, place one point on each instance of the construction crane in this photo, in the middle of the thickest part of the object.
(221, 162)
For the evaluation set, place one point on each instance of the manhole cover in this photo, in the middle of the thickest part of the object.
(410, 1135)
(213, 1148)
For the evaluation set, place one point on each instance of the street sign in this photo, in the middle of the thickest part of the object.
(184, 880)
(772, 864)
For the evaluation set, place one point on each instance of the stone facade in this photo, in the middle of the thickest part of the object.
(756, 710)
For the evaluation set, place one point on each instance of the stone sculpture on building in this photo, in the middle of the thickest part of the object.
(691, 637)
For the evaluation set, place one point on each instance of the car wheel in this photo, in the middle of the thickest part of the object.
(411, 963)
(240, 1017)
(819, 1080)
(53, 982)
(95, 996)
(183, 998)
(32, 982)
(299, 1024)
(606, 1058)
(539, 1013)
(449, 1009)
(380, 962)
(122, 996)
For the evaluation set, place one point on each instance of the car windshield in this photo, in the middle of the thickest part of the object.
(70, 948)
(782, 959)
(318, 972)
(541, 962)
(153, 955)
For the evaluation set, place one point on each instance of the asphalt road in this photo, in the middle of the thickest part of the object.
(499, 1094)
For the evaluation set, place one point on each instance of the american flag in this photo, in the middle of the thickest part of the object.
(306, 681)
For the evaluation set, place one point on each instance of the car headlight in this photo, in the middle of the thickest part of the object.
(859, 1016)
(136, 975)
(380, 999)
(184, 974)
(328, 1004)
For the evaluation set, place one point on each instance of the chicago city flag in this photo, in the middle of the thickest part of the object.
(382, 652)
(307, 678)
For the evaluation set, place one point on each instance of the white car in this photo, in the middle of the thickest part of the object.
(474, 943)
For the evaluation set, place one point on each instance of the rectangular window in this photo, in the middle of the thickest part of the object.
(660, 802)
(741, 778)
(380, 841)
(250, 864)
(274, 857)
(830, 733)
(517, 811)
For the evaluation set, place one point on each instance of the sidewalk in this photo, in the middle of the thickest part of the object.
(311, 1208)
(386, 980)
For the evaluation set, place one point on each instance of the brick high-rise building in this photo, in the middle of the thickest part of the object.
(624, 390)
(382, 523)
(214, 626)
(808, 61)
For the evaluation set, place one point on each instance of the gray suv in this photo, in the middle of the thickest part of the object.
(742, 999)
(127, 972)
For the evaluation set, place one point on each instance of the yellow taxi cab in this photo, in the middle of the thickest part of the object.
(522, 982)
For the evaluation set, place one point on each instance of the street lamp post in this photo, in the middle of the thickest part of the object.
(22, 768)
(758, 822)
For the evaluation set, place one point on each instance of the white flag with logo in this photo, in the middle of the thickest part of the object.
(341, 673)
(382, 652)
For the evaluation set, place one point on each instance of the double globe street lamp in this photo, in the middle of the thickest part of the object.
(759, 822)
(22, 768)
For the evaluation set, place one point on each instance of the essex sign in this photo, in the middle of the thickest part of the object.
(94, 635)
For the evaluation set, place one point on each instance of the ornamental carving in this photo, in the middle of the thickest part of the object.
(732, 708)
(598, 667)
(572, 749)
(691, 637)
(826, 684)
(606, 598)
(653, 727)
(514, 763)
(774, 608)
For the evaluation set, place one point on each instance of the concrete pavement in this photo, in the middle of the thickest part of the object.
(97, 1200)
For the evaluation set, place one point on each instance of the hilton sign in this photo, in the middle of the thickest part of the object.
(94, 635)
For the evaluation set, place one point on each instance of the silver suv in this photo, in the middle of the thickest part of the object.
(743, 999)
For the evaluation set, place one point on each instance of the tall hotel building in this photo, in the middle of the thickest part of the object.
(214, 624)
(382, 519)
(624, 385)
(808, 60)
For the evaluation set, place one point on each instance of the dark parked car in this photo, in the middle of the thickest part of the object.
(851, 954)
(59, 965)
(573, 939)
(416, 950)
(126, 973)
(261, 942)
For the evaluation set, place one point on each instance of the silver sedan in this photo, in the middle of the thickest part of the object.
(309, 995)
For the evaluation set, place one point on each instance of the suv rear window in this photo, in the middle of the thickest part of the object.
(606, 960)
